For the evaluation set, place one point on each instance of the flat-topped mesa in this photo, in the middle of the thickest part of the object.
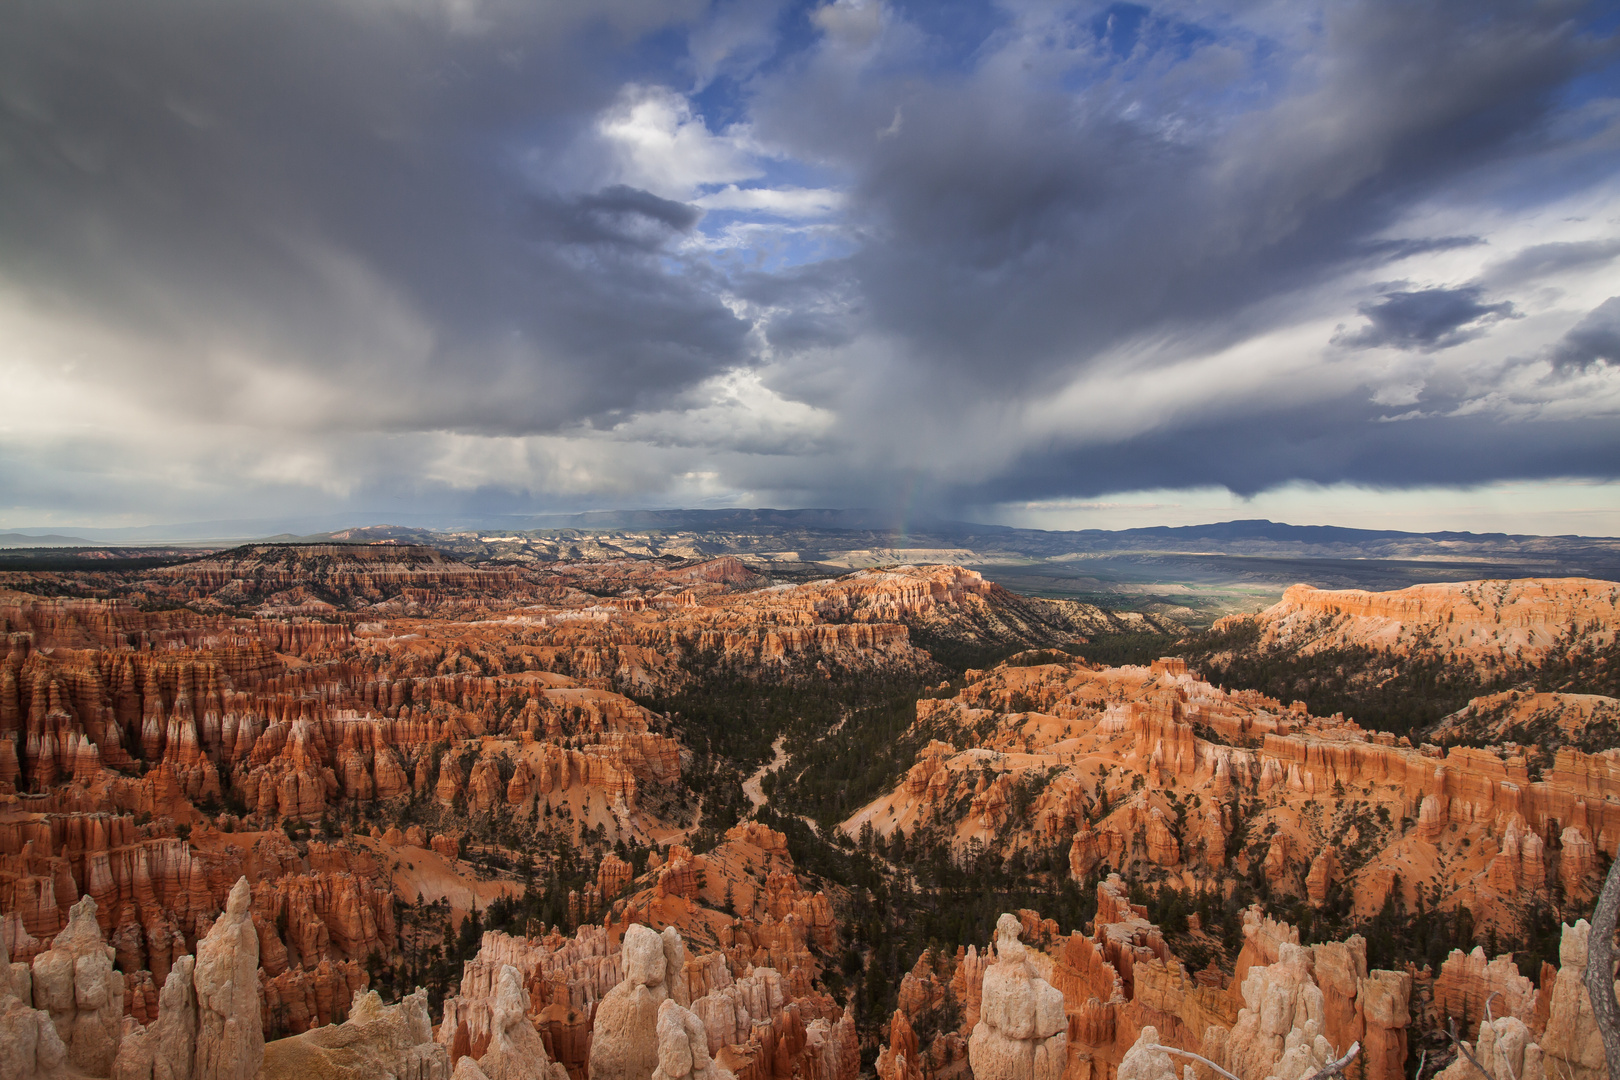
(335, 572)
(1475, 622)
(885, 595)
(69, 627)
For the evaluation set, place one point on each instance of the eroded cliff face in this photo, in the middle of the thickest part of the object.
(633, 1001)
(595, 1004)
(1481, 623)
(1155, 771)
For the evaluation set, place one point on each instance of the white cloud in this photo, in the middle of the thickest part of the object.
(657, 143)
(853, 23)
(1546, 507)
(783, 202)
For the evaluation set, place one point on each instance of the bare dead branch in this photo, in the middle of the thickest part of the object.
(1600, 968)
(1462, 1048)
(1196, 1057)
(1336, 1068)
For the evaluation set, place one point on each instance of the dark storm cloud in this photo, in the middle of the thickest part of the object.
(1594, 340)
(618, 216)
(1543, 260)
(309, 220)
(1343, 443)
(1425, 319)
(341, 187)
(1044, 227)
(1393, 250)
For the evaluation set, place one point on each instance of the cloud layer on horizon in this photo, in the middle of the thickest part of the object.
(492, 256)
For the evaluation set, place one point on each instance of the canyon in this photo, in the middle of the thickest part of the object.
(303, 781)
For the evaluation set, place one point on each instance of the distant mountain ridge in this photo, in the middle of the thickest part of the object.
(814, 519)
(1190, 572)
(26, 540)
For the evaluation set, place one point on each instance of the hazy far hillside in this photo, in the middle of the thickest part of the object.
(1192, 573)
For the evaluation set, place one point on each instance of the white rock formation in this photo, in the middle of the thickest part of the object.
(230, 1038)
(1278, 1034)
(624, 1042)
(376, 1040)
(208, 1025)
(1504, 1050)
(1022, 1033)
(683, 1047)
(1572, 1036)
(1142, 1063)
(29, 1044)
(729, 1012)
(75, 983)
(515, 1050)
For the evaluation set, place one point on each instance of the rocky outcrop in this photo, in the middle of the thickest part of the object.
(1572, 1041)
(683, 1047)
(624, 1042)
(1584, 721)
(565, 979)
(515, 1050)
(1570, 1046)
(1504, 1050)
(230, 1037)
(75, 983)
(208, 1025)
(1467, 981)
(30, 1046)
(1324, 871)
(901, 1057)
(376, 1040)
(1472, 622)
(612, 876)
(1022, 1033)
(1303, 1007)
(1281, 1031)
(1146, 1061)
(1151, 770)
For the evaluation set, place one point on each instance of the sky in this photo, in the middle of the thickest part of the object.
(1041, 263)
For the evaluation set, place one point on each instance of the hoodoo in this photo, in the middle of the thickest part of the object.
(350, 813)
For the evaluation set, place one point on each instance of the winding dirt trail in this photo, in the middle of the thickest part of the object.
(756, 796)
(751, 786)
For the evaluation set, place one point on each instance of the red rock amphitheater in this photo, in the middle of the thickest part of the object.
(263, 784)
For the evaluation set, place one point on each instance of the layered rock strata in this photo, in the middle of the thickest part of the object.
(1153, 769)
